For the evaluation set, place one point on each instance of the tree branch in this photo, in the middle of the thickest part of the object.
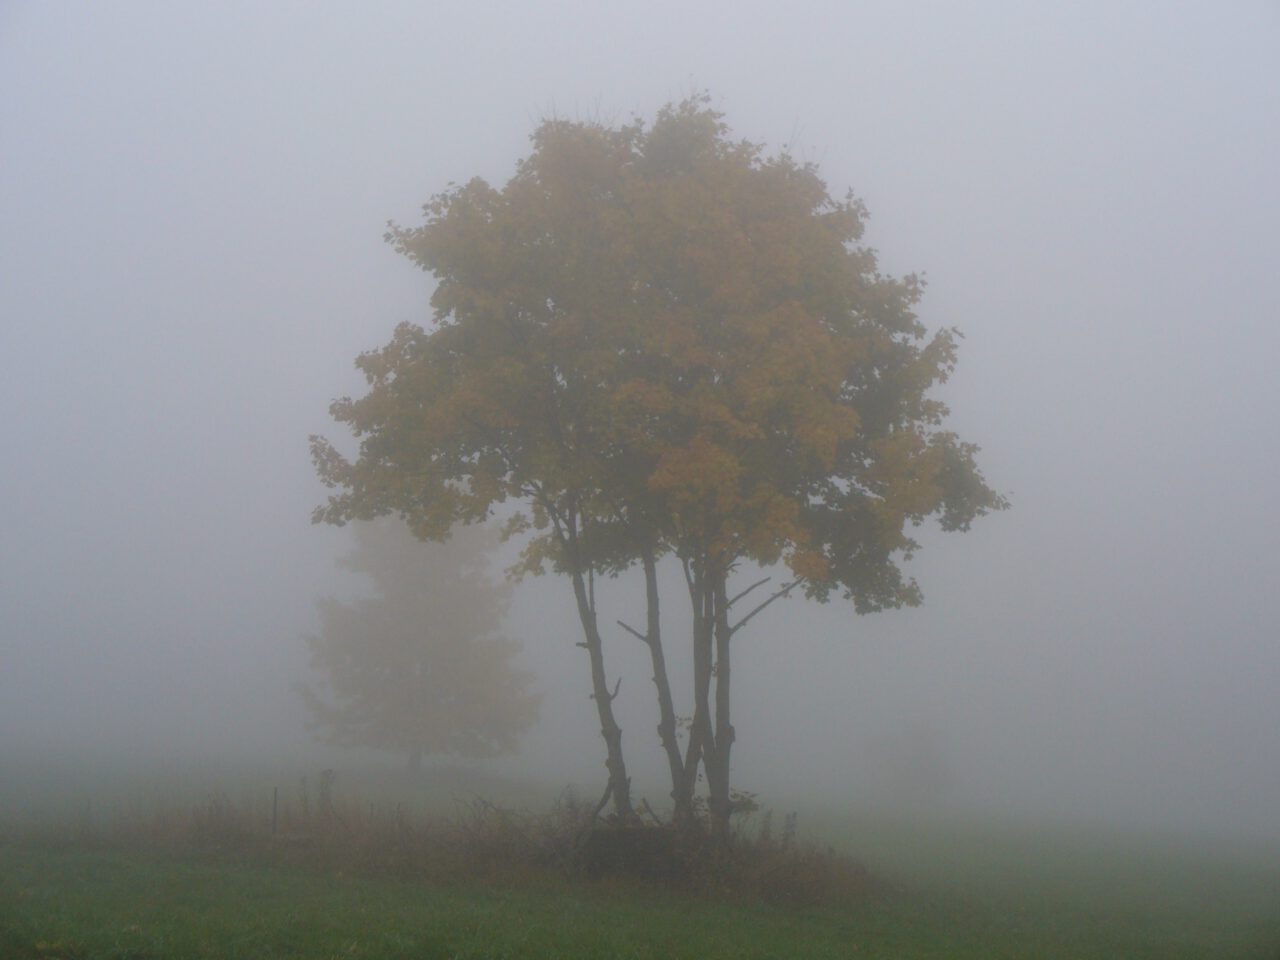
(772, 597)
(758, 583)
(635, 633)
(612, 696)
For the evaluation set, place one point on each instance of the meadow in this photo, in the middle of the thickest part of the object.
(137, 882)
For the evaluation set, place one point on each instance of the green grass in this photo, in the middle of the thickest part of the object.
(107, 904)
(988, 895)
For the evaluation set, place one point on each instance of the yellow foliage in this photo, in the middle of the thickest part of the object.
(662, 327)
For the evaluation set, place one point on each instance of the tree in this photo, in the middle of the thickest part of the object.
(665, 343)
(420, 667)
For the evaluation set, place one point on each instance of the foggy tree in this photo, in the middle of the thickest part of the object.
(664, 342)
(420, 667)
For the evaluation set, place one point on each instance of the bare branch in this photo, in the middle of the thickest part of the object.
(634, 632)
(613, 696)
(758, 583)
(772, 597)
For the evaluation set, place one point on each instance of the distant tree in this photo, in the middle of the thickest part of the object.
(420, 667)
(665, 343)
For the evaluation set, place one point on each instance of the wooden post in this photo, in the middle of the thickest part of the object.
(275, 797)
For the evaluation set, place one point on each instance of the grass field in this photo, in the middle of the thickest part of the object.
(74, 886)
(959, 892)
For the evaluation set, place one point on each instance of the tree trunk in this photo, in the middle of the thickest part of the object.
(702, 737)
(619, 782)
(681, 783)
(721, 807)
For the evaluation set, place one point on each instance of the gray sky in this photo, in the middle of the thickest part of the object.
(192, 198)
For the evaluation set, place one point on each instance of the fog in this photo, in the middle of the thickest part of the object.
(192, 202)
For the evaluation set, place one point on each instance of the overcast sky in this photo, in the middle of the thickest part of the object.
(192, 201)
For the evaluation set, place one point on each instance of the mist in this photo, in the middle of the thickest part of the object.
(192, 204)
